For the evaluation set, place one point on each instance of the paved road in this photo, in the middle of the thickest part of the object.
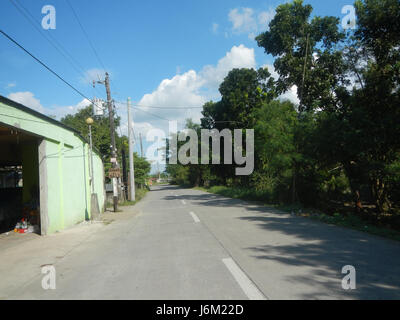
(188, 244)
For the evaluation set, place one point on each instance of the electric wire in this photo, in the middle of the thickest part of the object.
(45, 66)
(89, 41)
(53, 42)
(162, 107)
(86, 35)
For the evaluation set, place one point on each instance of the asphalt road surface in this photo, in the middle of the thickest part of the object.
(188, 244)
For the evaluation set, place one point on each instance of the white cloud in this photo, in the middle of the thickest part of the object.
(27, 99)
(248, 20)
(138, 128)
(271, 70)
(238, 57)
(291, 94)
(215, 27)
(61, 111)
(190, 89)
(10, 85)
(265, 17)
(142, 128)
(181, 90)
(242, 20)
(93, 74)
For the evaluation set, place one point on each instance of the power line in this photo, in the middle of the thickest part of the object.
(175, 108)
(59, 47)
(53, 42)
(154, 115)
(44, 65)
(138, 107)
(88, 40)
(86, 35)
(162, 107)
(31, 20)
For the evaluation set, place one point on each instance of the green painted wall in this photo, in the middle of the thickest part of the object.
(66, 163)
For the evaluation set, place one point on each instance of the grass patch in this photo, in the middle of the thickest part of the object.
(338, 219)
(356, 223)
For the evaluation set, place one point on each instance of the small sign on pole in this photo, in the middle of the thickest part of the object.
(114, 173)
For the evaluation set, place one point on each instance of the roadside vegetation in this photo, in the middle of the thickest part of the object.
(349, 220)
(338, 149)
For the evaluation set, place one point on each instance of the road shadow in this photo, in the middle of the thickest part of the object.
(321, 248)
(215, 200)
(164, 188)
(376, 260)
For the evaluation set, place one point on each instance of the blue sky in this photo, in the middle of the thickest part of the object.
(159, 53)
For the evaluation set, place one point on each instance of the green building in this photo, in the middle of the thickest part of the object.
(45, 165)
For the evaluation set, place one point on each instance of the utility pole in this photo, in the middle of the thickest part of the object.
(141, 145)
(131, 156)
(94, 203)
(89, 122)
(114, 162)
(124, 174)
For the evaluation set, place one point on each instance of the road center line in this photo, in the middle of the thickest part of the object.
(195, 218)
(248, 287)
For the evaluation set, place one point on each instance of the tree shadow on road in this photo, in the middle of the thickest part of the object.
(320, 248)
(325, 249)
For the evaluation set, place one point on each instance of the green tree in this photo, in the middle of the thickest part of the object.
(374, 111)
(305, 54)
(275, 149)
(100, 129)
(243, 91)
(142, 169)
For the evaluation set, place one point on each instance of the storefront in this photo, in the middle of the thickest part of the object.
(44, 171)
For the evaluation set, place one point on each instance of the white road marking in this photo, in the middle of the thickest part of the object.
(248, 287)
(195, 218)
(183, 201)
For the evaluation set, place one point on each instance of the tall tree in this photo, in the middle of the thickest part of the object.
(305, 54)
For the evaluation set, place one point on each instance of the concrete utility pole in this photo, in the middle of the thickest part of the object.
(141, 145)
(94, 203)
(114, 162)
(89, 122)
(124, 174)
(131, 164)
